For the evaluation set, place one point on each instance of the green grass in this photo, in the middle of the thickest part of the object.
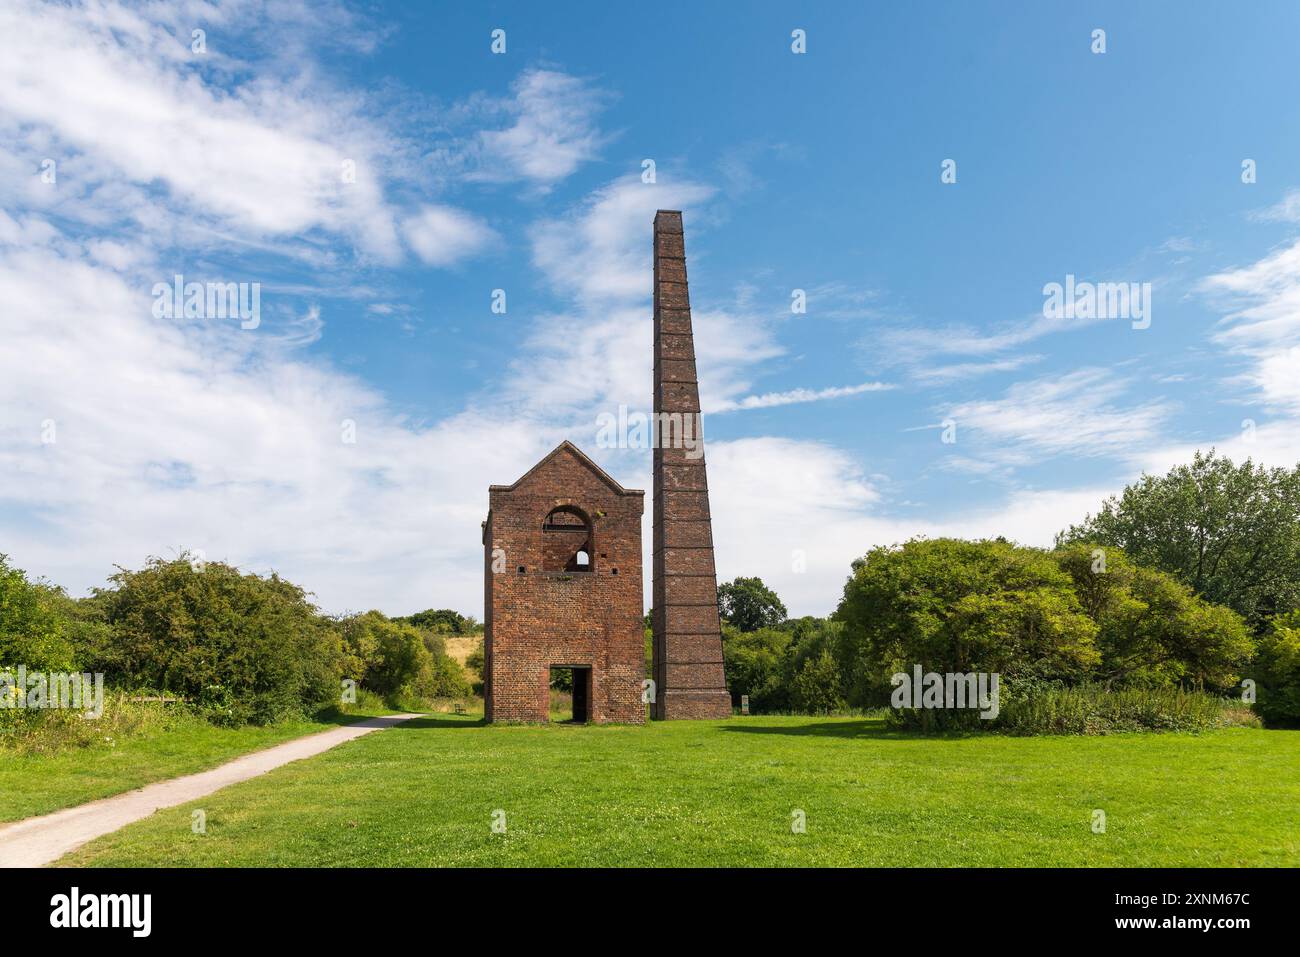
(32, 784)
(722, 793)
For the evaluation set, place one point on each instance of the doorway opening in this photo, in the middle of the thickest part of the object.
(570, 694)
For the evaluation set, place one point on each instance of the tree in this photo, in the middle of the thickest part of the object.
(388, 656)
(252, 648)
(32, 632)
(960, 606)
(1152, 629)
(755, 664)
(1278, 672)
(441, 620)
(749, 604)
(1231, 533)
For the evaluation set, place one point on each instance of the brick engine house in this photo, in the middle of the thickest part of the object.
(562, 572)
(562, 557)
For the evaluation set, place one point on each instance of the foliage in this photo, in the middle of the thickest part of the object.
(960, 606)
(442, 621)
(1152, 630)
(1231, 533)
(249, 649)
(1083, 709)
(475, 659)
(31, 630)
(756, 666)
(749, 605)
(1278, 672)
(785, 669)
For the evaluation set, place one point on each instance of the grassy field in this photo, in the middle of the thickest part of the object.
(723, 793)
(32, 784)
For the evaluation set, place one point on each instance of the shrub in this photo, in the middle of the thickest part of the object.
(959, 606)
(32, 632)
(243, 647)
(755, 663)
(1277, 671)
(1152, 629)
(1051, 708)
(48, 732)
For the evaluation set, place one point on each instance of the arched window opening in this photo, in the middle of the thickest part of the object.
(566, 541)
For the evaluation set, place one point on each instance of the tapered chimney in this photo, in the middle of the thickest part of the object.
(689, 678)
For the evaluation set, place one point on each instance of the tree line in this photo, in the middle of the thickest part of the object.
(240, 648)
(1185, 583)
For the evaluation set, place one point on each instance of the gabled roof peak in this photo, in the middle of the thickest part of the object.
(569, 447)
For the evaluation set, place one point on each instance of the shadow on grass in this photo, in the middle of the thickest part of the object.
(335, 716)
(867, 728)
(440, 721)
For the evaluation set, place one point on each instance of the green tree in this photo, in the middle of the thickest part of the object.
(32, 632)
(1152, 629)
(749, 604)
(755, 663)
(387, 656)
(1231, 533)
(1277, 670)
(441, 620)
(254, 649)
(960, 606)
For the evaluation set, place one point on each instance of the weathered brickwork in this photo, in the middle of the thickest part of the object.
(687, 631)
(544, 608)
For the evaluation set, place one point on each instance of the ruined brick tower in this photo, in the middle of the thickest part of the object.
(562, 580)
(689, 676)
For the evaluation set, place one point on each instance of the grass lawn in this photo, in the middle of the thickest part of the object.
(37, 784)
(722, 793)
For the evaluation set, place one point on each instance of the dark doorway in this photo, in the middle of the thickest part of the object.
(571, 694)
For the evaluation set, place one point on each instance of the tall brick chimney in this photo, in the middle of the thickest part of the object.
(689, 680)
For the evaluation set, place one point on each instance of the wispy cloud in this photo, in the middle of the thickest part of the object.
(795, 396)
(1079, 413)
(553, 130)
(955, 372)
(1286, 210)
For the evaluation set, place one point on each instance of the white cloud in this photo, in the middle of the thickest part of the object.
(789, 500)
(443, 236)
(1286, 210)
(1263, 328)
(958, 371)
(796, 396)
(553, 133)
(1077, 414)
(129, 107)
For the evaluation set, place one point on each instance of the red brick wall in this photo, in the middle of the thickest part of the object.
(688, 635)
(542, 619)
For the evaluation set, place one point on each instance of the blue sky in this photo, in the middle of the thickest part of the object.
(123, 435)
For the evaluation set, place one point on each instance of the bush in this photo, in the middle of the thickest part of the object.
(1153, 631)
(48, 732)
(386, 656)
(1277, 671)
(1088, 709)
(755, 666)
(1094, 709)
(32, 632)
(399, 661)
(243, 647)
(959, 606)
